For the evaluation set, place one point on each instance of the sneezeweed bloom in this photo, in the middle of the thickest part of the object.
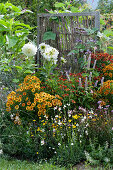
(107, 90)
(29, 49)
(32, 102)
(108, 71)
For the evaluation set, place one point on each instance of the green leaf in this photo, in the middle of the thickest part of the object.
(71, 52)
(18, 67)
(59, 5)
(15, 80)
(1, 40)
(49, 35)
(12, 41)
(102, 22)
(110, 47)
(108, 33)
(73, 9)
(28, 71)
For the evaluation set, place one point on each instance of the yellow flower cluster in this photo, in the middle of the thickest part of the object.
(107, 88)
(108, 70)
(30, 83)
(28, 97)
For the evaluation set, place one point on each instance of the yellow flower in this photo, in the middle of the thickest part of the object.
(69, 120)
(8, 109)
(75, 116)
(38, 129)
(74, 126)
(17, 107)
(33, 90)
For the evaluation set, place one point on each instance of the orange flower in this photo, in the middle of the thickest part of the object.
(28, 103)
(8, 109)
(24, 93)
(17, 107)
(26, 98)
(23, 104)
(33, 90)
(73, 101)
(49, 104)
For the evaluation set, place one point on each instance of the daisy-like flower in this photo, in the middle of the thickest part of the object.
(100, 35)
(29, 49)
(63, 60)
(43, 47)
(48, 52)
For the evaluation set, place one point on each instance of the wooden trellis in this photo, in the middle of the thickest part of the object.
(68, 27)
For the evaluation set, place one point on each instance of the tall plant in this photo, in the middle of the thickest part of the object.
(13, 35)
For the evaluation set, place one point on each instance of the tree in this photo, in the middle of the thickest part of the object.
(105, 6)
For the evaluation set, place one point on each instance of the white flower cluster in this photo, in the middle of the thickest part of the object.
(29, 49)
(102, 36)
(48, 52)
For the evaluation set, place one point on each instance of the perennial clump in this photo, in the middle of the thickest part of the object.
(108, 70)
(29, 101)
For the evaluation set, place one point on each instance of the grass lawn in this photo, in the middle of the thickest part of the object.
(14, 164)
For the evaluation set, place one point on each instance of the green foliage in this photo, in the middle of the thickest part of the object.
(105, 6)
(13, 34)
(100, 154)
(49, 36)
(69, 155)
(11, 163)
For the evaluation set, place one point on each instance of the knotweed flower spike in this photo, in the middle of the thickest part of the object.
(29, 49)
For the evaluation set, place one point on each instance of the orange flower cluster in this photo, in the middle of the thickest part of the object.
(102, 57)
(108, 70)
(107, 88)
(28, 97)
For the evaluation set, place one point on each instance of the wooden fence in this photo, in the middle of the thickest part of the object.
(68, 27)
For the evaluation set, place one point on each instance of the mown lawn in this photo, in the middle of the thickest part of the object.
(13, 164)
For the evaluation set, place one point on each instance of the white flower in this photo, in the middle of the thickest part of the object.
(99, 34)
(63, 60)
(42, 142)
(86, 132)
(12, 116)
(1, 151)
(77, 124)
(55, 108)
(59, 144)
(72, 143)
(106, 159)
(29, 49)
(43, 47)
(59, 109)
(50, 53)
(17, 118)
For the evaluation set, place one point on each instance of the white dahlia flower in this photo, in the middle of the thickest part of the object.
(50, 53)
(63, 60)
(29, 49)
(43, 47)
